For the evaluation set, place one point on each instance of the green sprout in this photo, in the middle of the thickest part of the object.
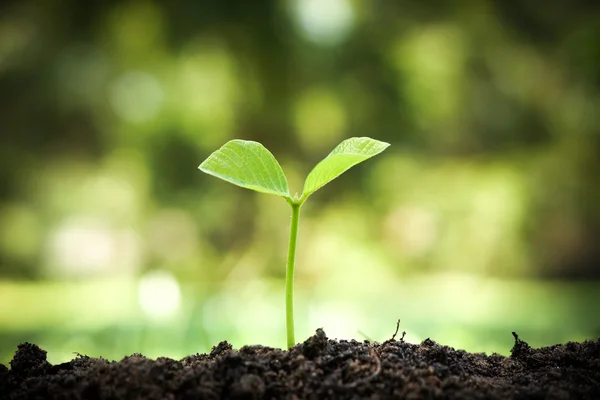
(250, 165)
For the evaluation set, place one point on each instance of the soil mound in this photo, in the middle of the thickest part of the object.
(316, 369)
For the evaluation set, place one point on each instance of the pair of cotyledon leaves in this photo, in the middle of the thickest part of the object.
(250, 165)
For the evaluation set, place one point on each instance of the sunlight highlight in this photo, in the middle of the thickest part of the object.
(325, 22)
(159, 295)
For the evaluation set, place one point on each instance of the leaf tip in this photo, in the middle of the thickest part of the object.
(202, 166)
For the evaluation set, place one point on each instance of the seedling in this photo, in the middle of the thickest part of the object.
(250, 165)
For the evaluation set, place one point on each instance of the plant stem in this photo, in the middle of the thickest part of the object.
(289, 274)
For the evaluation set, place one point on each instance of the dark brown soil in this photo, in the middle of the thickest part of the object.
(316, 369)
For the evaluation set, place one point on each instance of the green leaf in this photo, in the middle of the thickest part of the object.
(247, 164)
(346, 155)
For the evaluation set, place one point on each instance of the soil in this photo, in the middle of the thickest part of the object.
(316, 369)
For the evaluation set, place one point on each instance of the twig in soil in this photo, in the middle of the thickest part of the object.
(395, 333)
(377, 361)
(377, 371)
(397, 327)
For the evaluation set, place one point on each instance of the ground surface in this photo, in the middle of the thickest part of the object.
(316, 369)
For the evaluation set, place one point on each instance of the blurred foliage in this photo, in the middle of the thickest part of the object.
(109, 233)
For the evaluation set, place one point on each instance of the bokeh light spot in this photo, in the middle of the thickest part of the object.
(320, 119)
(207, 91)
(159, 295)
(431, 62)
(172, 235)
(136, 96)
(136, 28)
(411, 230)
(325, 22)
(82, 71)
(85, 246)
(17, 33)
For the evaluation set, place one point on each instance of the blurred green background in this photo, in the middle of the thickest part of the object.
(482, 218)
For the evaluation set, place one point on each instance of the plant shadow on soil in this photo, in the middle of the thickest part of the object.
(318, 368)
